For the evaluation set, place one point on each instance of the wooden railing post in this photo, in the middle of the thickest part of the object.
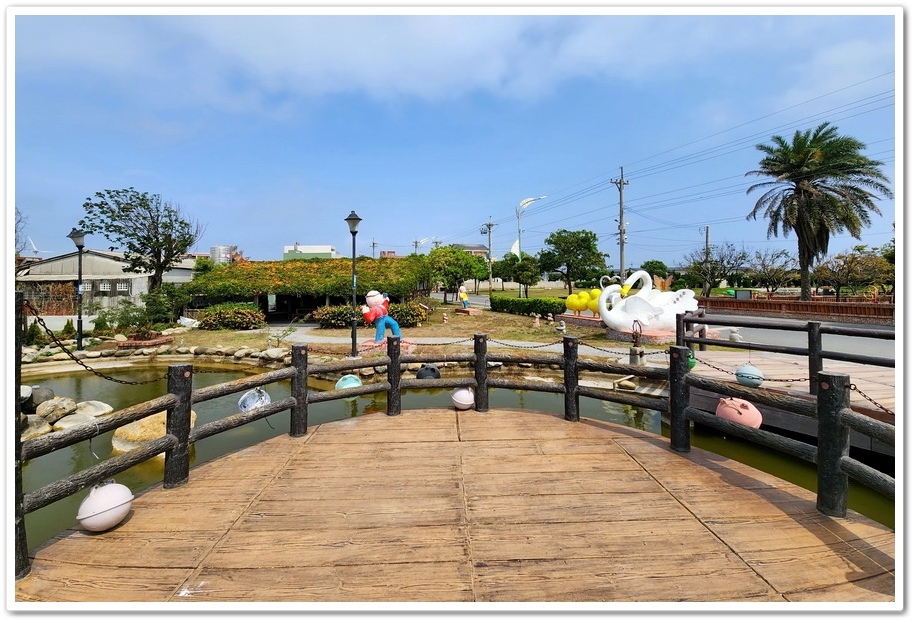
(394, 375)
(299, 414)
(571, 378)
(178, 423)
(679, 398)
(815, 361)
(832, 443)
(23, 562)
(481, 391)
(680, 329)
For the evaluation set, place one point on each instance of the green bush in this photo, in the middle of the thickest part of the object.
(334, 317)
(339, 317)
(35, 336)
(238, 316)
(69, 330)
(100, 324)
(526, 307)
(408, 314)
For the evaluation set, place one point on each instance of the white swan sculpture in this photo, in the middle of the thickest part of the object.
(656, 310)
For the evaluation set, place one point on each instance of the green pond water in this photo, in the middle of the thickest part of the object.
(47, 522)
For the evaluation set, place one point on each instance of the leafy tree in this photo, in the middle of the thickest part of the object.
(504, 269)
(719, 263)
(772, 269)
(153, 235)
(527, 271)
(480, 270)
(655, 268)
(451, 266)
(203, 265)
(821, 185)
(572, 254)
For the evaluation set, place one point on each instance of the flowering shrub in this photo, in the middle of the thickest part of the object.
(340, 316)
(238, 316)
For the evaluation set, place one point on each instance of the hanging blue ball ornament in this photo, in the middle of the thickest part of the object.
(749, 375)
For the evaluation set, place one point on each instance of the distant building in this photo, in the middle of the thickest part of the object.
(104, 279)
(480, 250)
(384, 254)
(309, 251)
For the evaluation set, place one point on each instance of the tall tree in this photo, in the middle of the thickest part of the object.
(21, 221)
(718, 263)
(451, 265)
(153, 235)
(572, 254)
(772, 269)
(821, 185)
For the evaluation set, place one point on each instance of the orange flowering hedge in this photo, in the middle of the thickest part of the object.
(399, 277)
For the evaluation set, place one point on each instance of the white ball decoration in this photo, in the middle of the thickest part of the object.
(105, 507)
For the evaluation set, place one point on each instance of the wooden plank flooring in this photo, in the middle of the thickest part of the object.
(447, 506)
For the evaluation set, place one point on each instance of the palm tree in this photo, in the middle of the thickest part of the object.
(821, 184)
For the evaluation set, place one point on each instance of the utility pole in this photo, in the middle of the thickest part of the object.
(487, 229)
(374, 244)
(621, 226)
(707, 243)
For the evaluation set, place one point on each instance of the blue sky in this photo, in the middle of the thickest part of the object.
(270, 129)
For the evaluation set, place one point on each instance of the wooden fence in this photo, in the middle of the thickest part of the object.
(831, 411)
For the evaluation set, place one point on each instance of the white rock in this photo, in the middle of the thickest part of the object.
(93, 408)
(74, 419)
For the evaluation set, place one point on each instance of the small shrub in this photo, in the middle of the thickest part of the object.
(526, 307)
(34, 336)
(408, 314)
(69, 330)
(334, 317)
(237, 316)
(100, 324)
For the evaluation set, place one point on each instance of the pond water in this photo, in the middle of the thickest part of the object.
(47, 522)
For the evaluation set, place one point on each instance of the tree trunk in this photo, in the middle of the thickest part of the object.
(804, 272)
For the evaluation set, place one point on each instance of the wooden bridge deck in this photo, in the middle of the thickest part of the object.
(440, 505)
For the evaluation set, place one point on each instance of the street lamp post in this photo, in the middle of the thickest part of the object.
(353, 223)
(77, 236)
(518, 215)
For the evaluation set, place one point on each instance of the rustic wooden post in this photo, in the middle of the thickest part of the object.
(394, 375)
(832, 443)
(178, 423)
(679, 398)
(23, 563)
(815, 361)
(299, 414)
(680, 329)
(571, 378)
(481, 391)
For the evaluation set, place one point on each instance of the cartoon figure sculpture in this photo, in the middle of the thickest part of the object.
(375, 311)
(463, 297)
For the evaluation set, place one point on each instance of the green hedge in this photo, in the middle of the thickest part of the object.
(340, 316)
(526, 307)
(238, 316)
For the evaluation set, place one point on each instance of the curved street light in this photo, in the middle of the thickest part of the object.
(524, 203)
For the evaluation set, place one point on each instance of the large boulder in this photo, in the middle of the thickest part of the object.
(37, 396)
(94, 408)
(56, 408)
(35, 427)
(133, 435)
(74, 419)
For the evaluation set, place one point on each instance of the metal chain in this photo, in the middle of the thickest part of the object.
(524, 347)
(76, 360)
(853, 387)
(606, 350)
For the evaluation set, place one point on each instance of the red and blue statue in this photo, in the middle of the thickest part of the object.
(375, 311)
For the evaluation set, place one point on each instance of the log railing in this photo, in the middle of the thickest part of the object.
(832, 412)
